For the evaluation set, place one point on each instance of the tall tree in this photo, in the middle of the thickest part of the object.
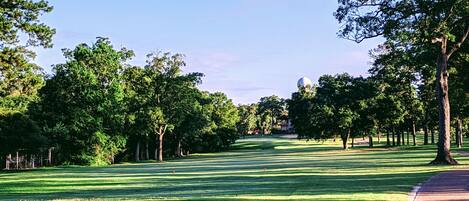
(335, 94)
(307, 115)
(20, 79)
(414, 23)
(171, 92)
(136, 95)
(270, 109)
(224, 116)
(85, 96)
(247, 118)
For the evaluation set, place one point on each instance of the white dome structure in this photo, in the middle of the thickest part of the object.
(304, 83)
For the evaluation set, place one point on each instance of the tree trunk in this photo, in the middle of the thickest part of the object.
(393, 137)
(49, 156)
(444, 138)
(388, 140)
(399, 139)
(137, 151)
(32, 161)
(345, 138)
(178, 149)
(425, 134)
(157, 140)
(403, 137)
(7, 162)
(414, 133)
(432, 134)
(459, 138)
(156, 147)
(160, 153)
(378, 132)
(147, 153)
(17, 160)
(408, 138)
(370, 139)
(142, 152)
(353, 142)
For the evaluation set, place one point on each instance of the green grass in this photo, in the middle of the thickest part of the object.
(256, 169)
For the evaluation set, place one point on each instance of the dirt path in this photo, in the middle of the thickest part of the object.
(451, 185)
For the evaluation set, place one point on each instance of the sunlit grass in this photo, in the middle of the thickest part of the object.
(256, 169)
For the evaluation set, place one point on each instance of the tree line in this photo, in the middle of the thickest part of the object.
(268, 116)
(96, 108)
(425, 45)
(426, 37)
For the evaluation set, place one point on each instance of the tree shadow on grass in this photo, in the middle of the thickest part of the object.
(233, 186)
(285, 169)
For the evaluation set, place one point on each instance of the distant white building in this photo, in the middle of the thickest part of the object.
(304, 83)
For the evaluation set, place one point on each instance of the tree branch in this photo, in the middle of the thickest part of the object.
(458, 45)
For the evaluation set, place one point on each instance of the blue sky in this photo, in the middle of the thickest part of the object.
(246, 48)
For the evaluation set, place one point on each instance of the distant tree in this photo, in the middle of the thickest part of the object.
(270, 110)
(396, 73)
(191, 130)
(224, 116)
(459, 92)
(172, 93)
(414, 23)
(247, 118)
(85, 97)
(304, 113)
(364, 90)
(135, 86)
(335, 95)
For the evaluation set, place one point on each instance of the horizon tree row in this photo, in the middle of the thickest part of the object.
(268, 116)
(96, 108)
(427, 36)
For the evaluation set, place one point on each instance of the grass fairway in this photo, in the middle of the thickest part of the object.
(257, 169)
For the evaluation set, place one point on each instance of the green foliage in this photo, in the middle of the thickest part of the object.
(412, 22)
(85, 96)
(304, 113)
(247, 118)
(20, 80)
(459, 91)
(224, 115)
(270, 109)
(22, 17)
(19, 132)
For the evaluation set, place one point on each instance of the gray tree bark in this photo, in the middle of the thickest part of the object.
(444, 136)
(160, 153)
